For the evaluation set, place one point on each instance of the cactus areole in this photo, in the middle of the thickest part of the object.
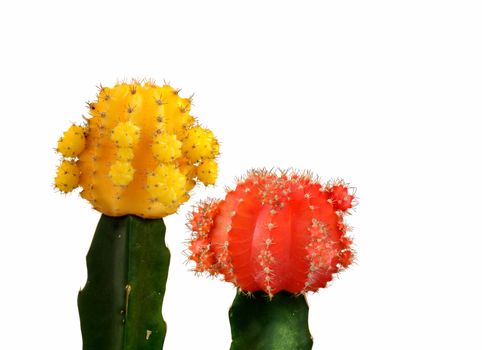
(136, 159)
(276, 232)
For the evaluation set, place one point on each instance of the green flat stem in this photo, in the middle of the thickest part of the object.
(120, 306)
(258, 323)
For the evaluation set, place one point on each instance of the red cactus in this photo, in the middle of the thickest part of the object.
(275, 231)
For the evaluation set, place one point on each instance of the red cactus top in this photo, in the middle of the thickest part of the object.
(275, 231)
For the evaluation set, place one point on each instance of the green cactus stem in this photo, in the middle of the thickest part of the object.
(259, 322)
(120, 306)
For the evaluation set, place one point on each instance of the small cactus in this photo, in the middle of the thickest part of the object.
(136, 159)
(275, 232)
(140, 153)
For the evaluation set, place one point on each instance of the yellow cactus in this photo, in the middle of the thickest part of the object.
(140, 152)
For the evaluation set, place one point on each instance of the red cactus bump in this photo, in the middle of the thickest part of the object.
(276, 231)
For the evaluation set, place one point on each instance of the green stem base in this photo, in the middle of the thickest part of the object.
(258, 323)
(120, 306)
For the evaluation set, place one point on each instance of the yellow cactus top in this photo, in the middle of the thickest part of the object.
(140, 152)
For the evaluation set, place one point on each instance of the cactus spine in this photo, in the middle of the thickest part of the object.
(277, 232)
(136, 159)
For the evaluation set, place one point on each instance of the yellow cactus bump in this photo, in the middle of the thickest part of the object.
(140, 152)
(73, 142)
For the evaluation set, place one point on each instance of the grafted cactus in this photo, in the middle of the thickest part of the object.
(136, 159)
(275, 236)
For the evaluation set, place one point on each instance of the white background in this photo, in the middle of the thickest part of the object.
(385, 94)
